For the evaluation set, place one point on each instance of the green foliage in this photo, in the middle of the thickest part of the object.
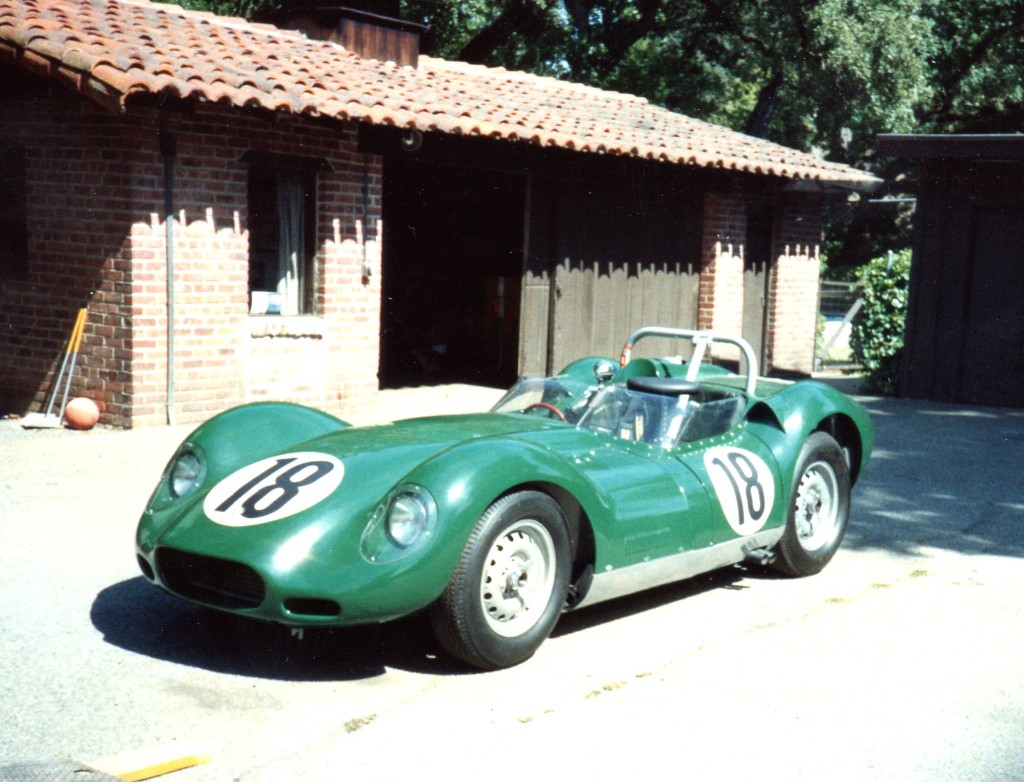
(877, 338)
(247, 9)
(976, 66)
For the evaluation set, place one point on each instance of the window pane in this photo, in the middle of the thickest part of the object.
(281, 217)
(263, 228)
(291, 245)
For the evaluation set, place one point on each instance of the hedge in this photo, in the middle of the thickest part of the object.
(877, 338)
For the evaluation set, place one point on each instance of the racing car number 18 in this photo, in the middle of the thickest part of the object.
(273, 489)
(744, 485)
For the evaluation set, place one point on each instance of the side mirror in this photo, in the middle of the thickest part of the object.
(604, 370)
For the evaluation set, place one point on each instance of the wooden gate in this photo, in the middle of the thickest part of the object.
(755, 297)
(596, 307)
(757, 263)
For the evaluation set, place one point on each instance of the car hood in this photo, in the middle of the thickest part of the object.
(373, 461)
(397, 448)
(378, 458)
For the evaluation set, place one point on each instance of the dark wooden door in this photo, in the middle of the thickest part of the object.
(992, 371)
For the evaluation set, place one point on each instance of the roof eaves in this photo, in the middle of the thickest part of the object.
(833, 183)
(978, 146)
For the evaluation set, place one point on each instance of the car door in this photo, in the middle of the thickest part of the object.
(641, 500)
(656, 504)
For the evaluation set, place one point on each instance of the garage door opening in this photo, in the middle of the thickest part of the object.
(452, 269)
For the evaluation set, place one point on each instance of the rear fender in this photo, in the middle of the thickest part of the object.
(582, 369)
(787, 418)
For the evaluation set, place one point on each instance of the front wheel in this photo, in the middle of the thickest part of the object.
(819, 508)
(507, 592)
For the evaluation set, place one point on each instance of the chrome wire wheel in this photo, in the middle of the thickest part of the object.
(509, 586)
(518, 578)
(817, 506)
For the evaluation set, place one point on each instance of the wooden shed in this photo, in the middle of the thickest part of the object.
(965, 323)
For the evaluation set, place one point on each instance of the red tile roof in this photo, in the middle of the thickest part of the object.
(111, 50)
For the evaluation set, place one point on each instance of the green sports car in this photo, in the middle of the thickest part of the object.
(606, 479)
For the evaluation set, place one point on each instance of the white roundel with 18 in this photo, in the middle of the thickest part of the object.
(744, 485)
(273, 489)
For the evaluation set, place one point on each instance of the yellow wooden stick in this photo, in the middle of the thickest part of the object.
(151, 762)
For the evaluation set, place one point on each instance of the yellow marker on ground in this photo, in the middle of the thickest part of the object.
(151, 762)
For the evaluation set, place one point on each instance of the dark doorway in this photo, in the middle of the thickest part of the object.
(452, 269)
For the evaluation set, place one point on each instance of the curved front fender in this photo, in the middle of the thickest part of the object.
(469, 477)
(245, 434)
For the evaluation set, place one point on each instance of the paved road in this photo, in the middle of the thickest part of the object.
(902, 661)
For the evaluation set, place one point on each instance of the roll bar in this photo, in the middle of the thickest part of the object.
(701, 340)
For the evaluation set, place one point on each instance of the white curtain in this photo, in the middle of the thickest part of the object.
(291, 247)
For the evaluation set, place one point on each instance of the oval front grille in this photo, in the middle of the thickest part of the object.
(217, 582)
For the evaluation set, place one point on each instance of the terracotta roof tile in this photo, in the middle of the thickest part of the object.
(112, 50)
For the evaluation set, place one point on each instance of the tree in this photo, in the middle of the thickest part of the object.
(247, 9)
(976, 65)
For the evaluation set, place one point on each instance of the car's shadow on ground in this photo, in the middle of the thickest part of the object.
(134, 616)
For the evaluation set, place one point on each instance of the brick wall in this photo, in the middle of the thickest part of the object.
(79, 204)
(96, 204)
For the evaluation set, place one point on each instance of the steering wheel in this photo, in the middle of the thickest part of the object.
(545, 406)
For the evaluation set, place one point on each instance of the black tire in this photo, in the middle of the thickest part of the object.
(819, 508)
(520, 544)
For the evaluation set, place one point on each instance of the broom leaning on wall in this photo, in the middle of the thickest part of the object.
(48, 420)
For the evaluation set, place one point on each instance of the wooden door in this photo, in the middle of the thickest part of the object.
(992, 370)
(596, 307)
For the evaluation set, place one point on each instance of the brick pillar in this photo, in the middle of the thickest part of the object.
(793, 298)
(721, 274)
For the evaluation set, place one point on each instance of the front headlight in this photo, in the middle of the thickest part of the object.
(411, 515)
(185, 474)
(401, 525)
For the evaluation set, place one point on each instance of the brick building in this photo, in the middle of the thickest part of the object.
(250, 212)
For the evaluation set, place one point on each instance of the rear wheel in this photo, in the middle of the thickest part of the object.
(819, 508)
(507, 592)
